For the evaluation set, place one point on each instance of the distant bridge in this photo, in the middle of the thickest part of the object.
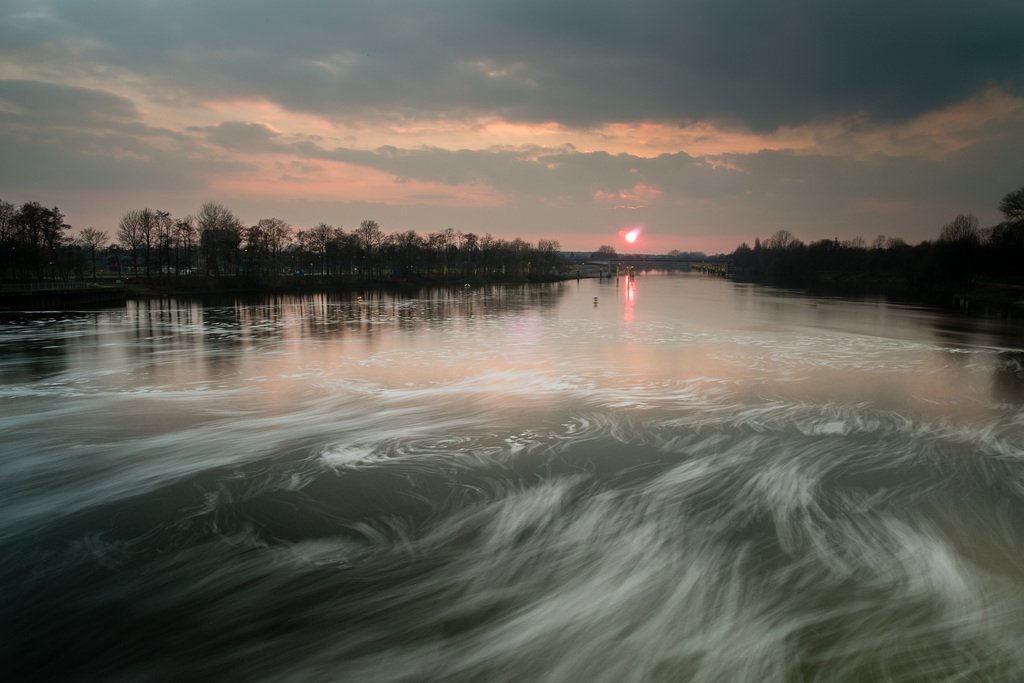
(721, 265)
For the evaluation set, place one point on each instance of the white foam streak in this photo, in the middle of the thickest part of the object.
(621, 586)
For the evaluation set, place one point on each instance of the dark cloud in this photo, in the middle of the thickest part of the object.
(73, 161)
(813, 192)
(579, 63)
(825, 185)
(238, 135)
(71, 138)
(528, 171)
(55, 105)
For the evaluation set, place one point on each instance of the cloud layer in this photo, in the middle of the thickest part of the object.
(707, 122)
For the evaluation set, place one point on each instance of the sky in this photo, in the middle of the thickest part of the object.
(702, 124)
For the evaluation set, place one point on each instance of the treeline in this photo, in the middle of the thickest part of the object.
(963, 256)
(33, 240)
(152, 244)
(214, 243)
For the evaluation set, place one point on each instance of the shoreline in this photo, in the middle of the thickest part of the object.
(312, 284)
(989, 297)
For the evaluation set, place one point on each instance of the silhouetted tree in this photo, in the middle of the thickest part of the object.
(370, 239)
(134, 231)
(547, 257)
(957, 250)
(963, 230)
(92, 240)
(276, 234)
(470, 247)
(409, 248)
(39, 234)
(128, 235)
(782, 239)
(220, 235)
(317, 239)
(186, 238)
(8, 240)
(1012, 206)
(264, 245)
(166, 240)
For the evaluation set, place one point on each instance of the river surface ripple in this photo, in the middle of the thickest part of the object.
(672, 478)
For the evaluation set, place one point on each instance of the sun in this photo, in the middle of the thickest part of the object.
(630, 235)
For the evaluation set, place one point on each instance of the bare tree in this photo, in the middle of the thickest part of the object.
(783, 239)
(442, 243)
(318, 238)
(141, 229)
(276, 235)
(8, 239)
(40, 231)
(8, 224)
(964, 230)
(129, 234)
(220, 233)
(547, 256)
(92, 240)
(371, 239)
(436, 247)
(149, 222)
(370, 234)
(1012, 206)
(264, 243)
(166, 238)
(215, 216)
(470, 247)
(186, 229)
(518, 250)
(1008, 239)
(408, 248)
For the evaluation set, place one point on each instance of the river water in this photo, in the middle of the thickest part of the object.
(676, 478)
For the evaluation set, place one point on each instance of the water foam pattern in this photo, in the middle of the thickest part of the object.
(513, 484)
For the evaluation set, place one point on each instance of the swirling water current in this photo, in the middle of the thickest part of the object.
(675, 478)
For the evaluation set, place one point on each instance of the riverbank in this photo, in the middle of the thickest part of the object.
(198, 286)
(29, 298)
(994, 293)
(59, 295)
(981, 296)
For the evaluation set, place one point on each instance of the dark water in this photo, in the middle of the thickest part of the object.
(686, 480)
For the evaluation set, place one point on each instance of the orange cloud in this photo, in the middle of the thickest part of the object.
(339, 181)
(639, 197)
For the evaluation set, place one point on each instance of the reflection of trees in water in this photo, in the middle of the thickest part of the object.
(333, 313)
(44, 351)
